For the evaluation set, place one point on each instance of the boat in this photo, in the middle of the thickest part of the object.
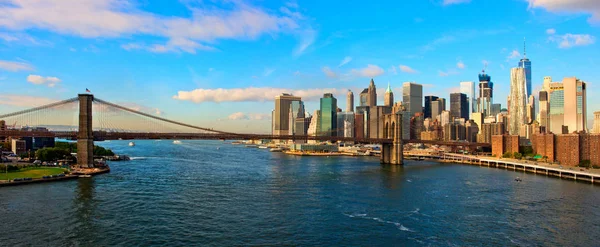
(263, 147)
(85, 176)
(251, 146)
(131, 144)
(236, 143)
(177, 142)
(275, 150)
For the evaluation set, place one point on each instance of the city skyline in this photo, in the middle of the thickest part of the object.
(183, 74)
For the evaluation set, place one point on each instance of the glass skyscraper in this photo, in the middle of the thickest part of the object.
(328, 119)
(526, 64)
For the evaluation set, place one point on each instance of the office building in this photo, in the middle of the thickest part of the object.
(359, 126)
(485, 94)
(314, 125)
(416, 126)
(459, 106)
(544, 109)
(328, 119)
(372, 94)
(526, 65)
(487, 130)
(530, 109)
(471, 130)
(496, 108)
(568, 106)
(412, 97)
(375, 118)
(429, 100)
(575, 104)
(389, 97)
(350, 101)
(596, 128)
(444, 118)
(518, 101)
(281, 119)
(468, 88)
(345, 123)
(296, 113)
(454, 132)
(18, 147)
(364, 97)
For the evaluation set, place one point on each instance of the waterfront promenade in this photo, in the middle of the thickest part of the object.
(574, 173)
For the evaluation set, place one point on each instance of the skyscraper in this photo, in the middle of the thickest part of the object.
(350, 101)
(412, 97)
(459, 106)
(328, 119)
(544, 110)
(485, 97)
(556, 114)
(281, 115)
(389, 97)
(526, 64)
(372, 92)
(296, 112)
(428, 106)
(468, 88)
(596, 129)
(530, 109)
(518, 101)
(364, 97)
(575, 104)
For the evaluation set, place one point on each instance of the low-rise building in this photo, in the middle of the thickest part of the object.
(502, 144)
(18, 146)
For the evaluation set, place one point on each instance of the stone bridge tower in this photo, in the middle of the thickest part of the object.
(392, 153)
(85, 137)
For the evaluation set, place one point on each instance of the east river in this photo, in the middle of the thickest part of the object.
(214, 193)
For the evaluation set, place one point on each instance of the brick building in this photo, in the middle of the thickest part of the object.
(568, 149)
(504, 143)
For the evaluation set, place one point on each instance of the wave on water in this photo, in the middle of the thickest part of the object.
(408, 180)
(138, 158)
(397, 224)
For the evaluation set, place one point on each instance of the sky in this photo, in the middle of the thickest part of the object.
(219, 64)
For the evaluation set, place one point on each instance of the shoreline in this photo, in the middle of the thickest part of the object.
(73, 175)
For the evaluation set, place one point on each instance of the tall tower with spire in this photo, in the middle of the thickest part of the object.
(389, 97)
(526, 64)
(372, 92)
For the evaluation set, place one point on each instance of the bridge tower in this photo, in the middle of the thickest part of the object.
(393, 153)
(85, 137)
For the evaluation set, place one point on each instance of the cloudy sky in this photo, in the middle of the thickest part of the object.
(219, 64)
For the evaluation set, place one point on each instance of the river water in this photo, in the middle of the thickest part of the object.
(214, 193)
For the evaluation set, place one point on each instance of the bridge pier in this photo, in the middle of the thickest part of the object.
(85, 137)
(393, 153)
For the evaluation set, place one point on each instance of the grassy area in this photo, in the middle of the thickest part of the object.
(31, 172)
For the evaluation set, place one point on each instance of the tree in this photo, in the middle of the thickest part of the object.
(517, 155)
(100, 151)
(585, 163)
(52, 154)
(545, 158)
(507, 155)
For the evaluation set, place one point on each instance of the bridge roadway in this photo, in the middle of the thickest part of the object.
(103, 135)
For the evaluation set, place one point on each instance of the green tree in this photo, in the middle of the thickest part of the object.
(517, 155)
(52, 154)
(507, 155)
(585, 163)
(100, 151)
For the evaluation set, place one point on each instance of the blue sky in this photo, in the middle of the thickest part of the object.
(219, 63)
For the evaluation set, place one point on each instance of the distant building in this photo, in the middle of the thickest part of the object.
(468, 88)
(359, 126)
(281, 120)
(328, 119)
(364, 97)
(568, 106)
(444, 118)
(376, 120)
(485, 97)
(372, 92)
(429, 107)
(487, 130)
(296, 115)
(526, 65)
(496, 108)
(544, 109)
(18, 146)
(596, 122)
(454, 132)
(314, 126)
(518, 101)
(471, 130)
(530, 109)
(459, 106)
(568, 149)
(437, 107)
(364, 131)
(502, 144)
(389, 97)
(350, 101)
(345, 123)
(416, 126)
(412, 97)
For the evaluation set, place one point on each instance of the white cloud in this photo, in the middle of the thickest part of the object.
(407, 69)
(460, 65)
(249, 116)
(201, 95)
(50, 81)
(329, 73)
(345, 61)
(306, 39)
(132, 46)
(14, 66)
(569, 40)
(393, 70)
(573, 6)
(117, 18)
(268, 72)
(141, 108)
(514, 54)
(370, 71)
(550, 31)
(238, 116)
(450, 2)
(25, 100)
(447, 73)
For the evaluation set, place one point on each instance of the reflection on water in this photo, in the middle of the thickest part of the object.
(194, 194)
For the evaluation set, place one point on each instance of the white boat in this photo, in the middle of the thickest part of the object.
(262, 147)
(177, 142)
(85, 176)
(131, 144)
(275, 150)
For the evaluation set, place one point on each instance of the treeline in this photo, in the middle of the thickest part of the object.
(63, 150)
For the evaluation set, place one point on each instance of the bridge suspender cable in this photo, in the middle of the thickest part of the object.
(39, 108)
(162, 119)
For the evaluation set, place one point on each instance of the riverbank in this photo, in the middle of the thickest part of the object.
(32, 172)
(74, 173)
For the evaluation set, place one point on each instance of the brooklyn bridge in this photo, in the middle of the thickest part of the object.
(101, 120)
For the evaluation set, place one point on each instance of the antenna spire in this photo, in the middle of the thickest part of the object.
(524, 48)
